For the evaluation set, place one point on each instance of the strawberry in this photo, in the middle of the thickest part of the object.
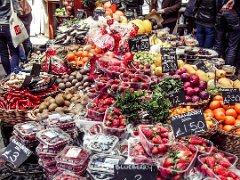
(219, 155)
(232, 175)
(203, 168)
(162, 148)
(224, 163)
(211, 161)
(149, 133)
(181, 166)
(192, 148)
(222, 177)
(157, 140)
(219, 170)
(135, 133)
(196, 140)
(155, 151)
(116, 123)
(164, 135)
(165, 140)
(183, 160)
(168, 162)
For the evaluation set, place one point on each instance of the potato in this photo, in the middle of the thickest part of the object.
(59, 109)
(67, 103)
(42, 107)
(59, 100)
(73, 99)
(52, 107)
(52, 101)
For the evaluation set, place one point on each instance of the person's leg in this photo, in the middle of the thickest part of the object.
(27, 45)
(4, 50)
(200, 35)
(209, 37)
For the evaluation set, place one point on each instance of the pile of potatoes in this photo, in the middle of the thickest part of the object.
(70, 101)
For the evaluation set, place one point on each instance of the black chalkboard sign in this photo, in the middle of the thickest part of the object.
(135, 172)
(80, 13)
(189, 123)
(231, 96)
(130, 15)
(169, 60)
(139, 43)
(177, 97)
(26, 82)
(36, 69)
(97, 13)
(201, 65)
(16, 153)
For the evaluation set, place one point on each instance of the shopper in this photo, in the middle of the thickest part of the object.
(206, 12)
(169, 11)
(26, 19)
(6, 44)
(228, 30)
(146, 7)
(190, 15)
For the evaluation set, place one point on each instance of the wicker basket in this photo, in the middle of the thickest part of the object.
(13, 116)
(210, 132)
(229, 142)
(199, 105)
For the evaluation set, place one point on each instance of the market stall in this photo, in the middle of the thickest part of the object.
(116, 97)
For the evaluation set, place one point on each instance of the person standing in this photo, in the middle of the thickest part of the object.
(6, 44)
(228, 30)
(189, 15)
(206, 12)
(169, 11)
(26, 18)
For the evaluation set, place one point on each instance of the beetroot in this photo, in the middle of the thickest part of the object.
(196, 91)
(204, 95)
(187, 84)
(195, 99)
(188, 98)
(203, 85)
(185, 77)
(181, 71)
(189, 91)
(194, 79)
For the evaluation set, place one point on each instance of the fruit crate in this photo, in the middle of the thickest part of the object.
(119, 132)
(156, 149)
(67, 175)
(135, 81)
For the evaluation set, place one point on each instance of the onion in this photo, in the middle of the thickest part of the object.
(189, 91)
(187, 84)
(194, 79)
(195, 99)
(188, 98)
(203, 85)
(185, 77)
(196, 91)
(204, 95)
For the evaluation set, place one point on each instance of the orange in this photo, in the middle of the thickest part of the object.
(214, 105)
(85, 59)
(231, 112)
(237, 132)
(70, 57)
(227, 127)
(85, 54)
(220, 126)
(107, 5)
(98, 50)
(209, 112)
(229, 120)
(226, 107)
(113, 8)
(218, 98)
(78, 54)
(237, 107)
(238, 117)
(108, 12)
(220, 116)
(237, 123)
(218, 110)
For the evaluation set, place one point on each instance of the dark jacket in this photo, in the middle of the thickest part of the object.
(190, 9)
(5, 10)
(171, 8)
(206, 12)
(236, 6)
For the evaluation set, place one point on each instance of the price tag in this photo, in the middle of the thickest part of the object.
(115, 1)
(231, 96)
(189, 123)
(169, 60)
(201, 65)
(177, 97)
(16, 153)
(80, 13)
(26, 82)
(139, 43)
(36, 69)
(135, 172)
(97, 13)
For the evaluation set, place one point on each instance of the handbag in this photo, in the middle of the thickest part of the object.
(17, 29)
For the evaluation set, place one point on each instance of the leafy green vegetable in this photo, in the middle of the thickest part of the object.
(168, 84)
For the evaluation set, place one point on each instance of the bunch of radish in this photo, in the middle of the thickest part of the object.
(68, 4)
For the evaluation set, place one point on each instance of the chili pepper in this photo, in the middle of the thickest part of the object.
(32, 97)
(13, 106)
(54, 87)
(14, 99)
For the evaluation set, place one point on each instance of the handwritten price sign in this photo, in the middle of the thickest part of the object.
(177, 97)
(139, 43)
(189, 123)
(231, 96)
(169, 60)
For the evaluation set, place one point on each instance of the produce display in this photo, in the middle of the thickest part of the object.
(102, 99)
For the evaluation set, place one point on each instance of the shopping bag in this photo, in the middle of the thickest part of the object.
(17, 28)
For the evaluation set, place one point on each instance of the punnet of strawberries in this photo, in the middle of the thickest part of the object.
(114, 122)
(155, 139)
(218, 165)
(176, 162)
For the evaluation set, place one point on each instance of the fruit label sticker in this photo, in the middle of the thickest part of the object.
(51, 134)
(73, 152)
(189, 123)
(169, 60)
(135, 172)
(97, 13)
(16, 153)
(231, 96)
(29, 127)
(177, 97)
(139, 43)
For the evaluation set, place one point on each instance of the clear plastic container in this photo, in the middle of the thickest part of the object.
(101, 143)
(27, 130)
(46, 161)
(136, 81)
(151, 147)
(104, 163)
(101, 84)
(67, 176)
(120, 131)
(173, 173)
(206, 147)
(28, 143)
(53, 137)
(95, 175)
(64, 122)
(73, 156)
(52, 170)
(45, 151)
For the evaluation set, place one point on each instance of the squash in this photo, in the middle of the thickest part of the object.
(189, 69)
(221, 73)
(236, 84)
(225, 83)
(202, 75)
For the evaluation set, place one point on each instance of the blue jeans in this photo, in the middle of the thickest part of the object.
(205, 36)
(5, 45)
